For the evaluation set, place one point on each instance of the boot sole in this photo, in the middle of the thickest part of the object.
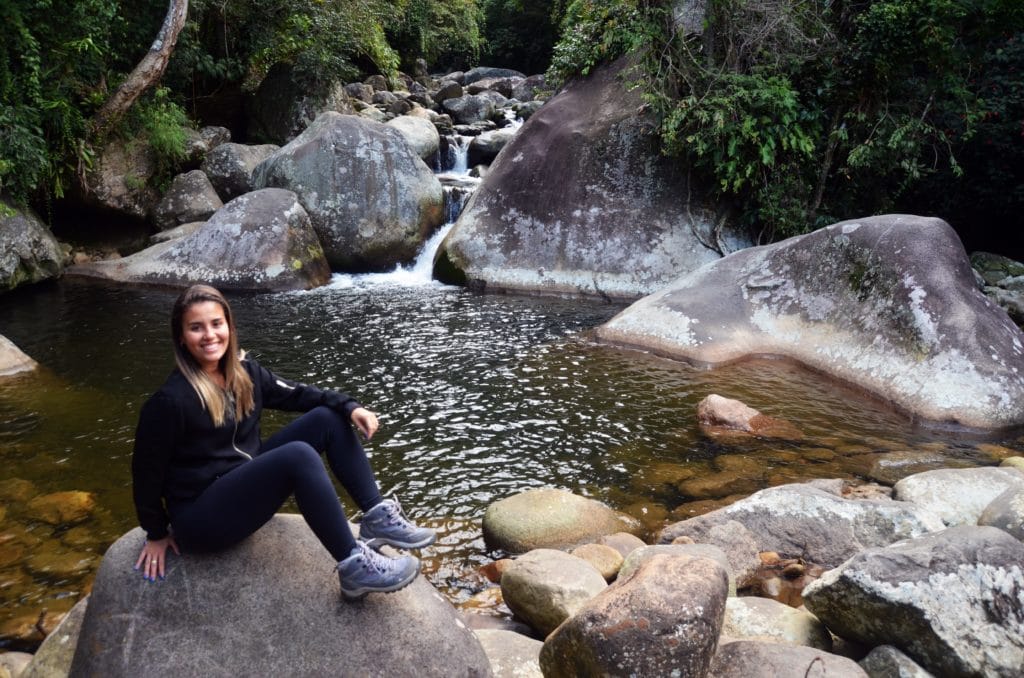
(361, 592)
(376, 543)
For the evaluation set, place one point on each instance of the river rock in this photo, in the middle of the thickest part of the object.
(448, 89)
(953, 601)
(483, 149)
(747, 658)
(284, 105)
(1013, 462)
(484, 72)
(120, 180)
(28, 251)
(360, 91)
(545, 587)
(662, 620)
(371, 199)
(887, 303)
(512, 655)
(1006, 512)
(191, 197)
(12, 360)
(249, 611)
(53, 658)
(957, 496)
(502, 86)
(885, 661)
(803, 521)
(582, 202)
(753, 618)
(641, 556)
(604, 559)
(623, 542)
(419, 133)
(739, 547)
(995, 267)
(549, 518)
(260, 241)
(63, 508)
(526, 90)
(891, 467)
(230, 166)
(717, 415)
(469, 108)
(14, 663)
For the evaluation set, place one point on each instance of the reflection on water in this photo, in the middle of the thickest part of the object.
(479, 397)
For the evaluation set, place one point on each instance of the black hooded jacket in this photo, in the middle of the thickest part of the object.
(179, 451)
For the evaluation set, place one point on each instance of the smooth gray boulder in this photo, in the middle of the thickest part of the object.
(1006, 512)
(887, 303)
(750, 617)
(13, 360)
(28, 251)
(748, 658)
(448, 89)
(191, 197)
(373, 201)
(512, 655)
(419, 133)
(484, 72)
(483, 149)
(885, 661)
(230, 167)
(545, 587)
(176, 232)
(953, 601)
(803, 521)
(261, 241)
(268, 606)
(549, 518)
(662, 620)
(582, 202)
(469, 108)
(957, 496)
(54, 656)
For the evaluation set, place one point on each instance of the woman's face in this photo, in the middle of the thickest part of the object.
(205, 333)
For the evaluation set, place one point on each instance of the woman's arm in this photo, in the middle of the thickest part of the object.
(155, 438)
(292, 396)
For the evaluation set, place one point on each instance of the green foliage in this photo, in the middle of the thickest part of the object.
(165, 127)
(445, 34)
(521, 34)
(598, 31)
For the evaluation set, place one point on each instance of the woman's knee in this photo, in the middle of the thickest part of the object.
(298, 454)
(326, 417)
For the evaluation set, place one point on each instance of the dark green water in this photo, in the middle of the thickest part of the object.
(479, 397)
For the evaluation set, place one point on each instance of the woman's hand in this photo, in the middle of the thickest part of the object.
(153, 557)
(364, 420)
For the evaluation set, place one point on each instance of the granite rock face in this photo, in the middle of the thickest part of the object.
(230, 167)
(191, 197)
(663, 619)
(250, 611)
(803, 521)
(581, 202)
(887, 303)
(958, 496)
(371, 199)
(261, 241)
(28, 251)
(953, 601)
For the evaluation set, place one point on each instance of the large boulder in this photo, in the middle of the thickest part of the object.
(662, 620)
(953, 601)
(887, 303)
(582, 202)
(549, 518)
(13, 360)
(748, 658)
(249, 611)
(545, 587)
(371, 199)
(261, 241)
(230, 167)
(283, 105)
(54, 656)
(958, 496)
(1006, 512)
(484, 148)
(469, 108)
(485, 72)
(190, 198)
(28, 251)
(419, 133)
(120, 179)
(803, 521)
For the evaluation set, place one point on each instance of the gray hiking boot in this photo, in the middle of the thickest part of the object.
(385, 523)
(366, 571)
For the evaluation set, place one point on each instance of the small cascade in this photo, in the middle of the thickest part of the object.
(456, 156)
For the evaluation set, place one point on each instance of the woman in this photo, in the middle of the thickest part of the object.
(202, 480)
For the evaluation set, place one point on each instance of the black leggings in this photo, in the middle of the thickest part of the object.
(241, 501)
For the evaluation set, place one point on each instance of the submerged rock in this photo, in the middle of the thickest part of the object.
(249, 611)
(661, 620)
(887, 303)
(717, 415)
(12, 360)
(261, 241)
(582, 202)
(953, 601)
(371, 199)
(802, 521)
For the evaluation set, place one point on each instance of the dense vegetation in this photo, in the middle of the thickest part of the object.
(799, 112)
(804, 112)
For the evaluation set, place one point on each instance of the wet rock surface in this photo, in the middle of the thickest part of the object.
(13, 360)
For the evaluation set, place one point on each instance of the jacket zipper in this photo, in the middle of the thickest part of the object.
(234, 445)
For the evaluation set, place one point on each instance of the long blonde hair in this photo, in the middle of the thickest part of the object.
(236, 379)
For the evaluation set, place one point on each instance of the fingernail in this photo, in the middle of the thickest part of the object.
(136, 568)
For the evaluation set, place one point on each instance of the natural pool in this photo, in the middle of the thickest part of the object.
(479, 396)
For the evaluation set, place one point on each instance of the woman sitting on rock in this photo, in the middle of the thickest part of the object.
(204, 481)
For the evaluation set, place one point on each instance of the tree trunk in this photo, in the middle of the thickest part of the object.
(147, 73)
